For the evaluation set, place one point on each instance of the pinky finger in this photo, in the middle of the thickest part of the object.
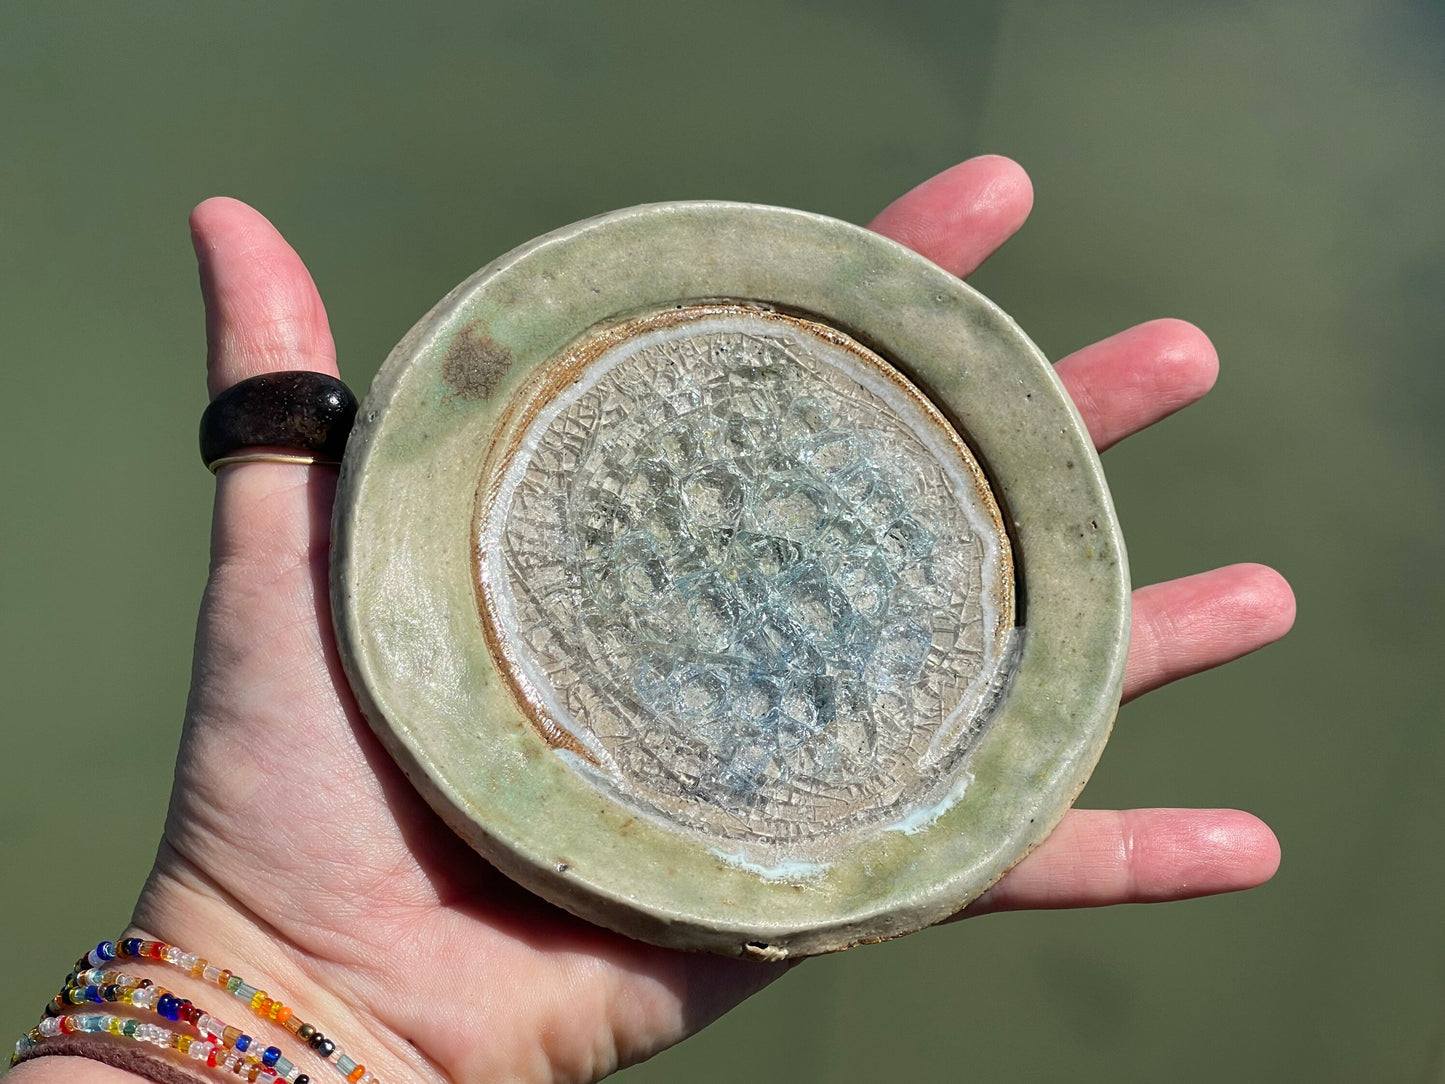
(1099, 857)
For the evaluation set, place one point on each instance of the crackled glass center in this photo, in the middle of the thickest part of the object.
(746, 577)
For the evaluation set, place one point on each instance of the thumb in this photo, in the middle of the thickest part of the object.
(263, 315)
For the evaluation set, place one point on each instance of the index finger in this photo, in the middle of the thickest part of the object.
(961, 216)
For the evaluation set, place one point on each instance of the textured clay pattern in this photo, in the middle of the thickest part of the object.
(755, 579)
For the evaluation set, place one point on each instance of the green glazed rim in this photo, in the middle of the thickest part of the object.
(404, 592)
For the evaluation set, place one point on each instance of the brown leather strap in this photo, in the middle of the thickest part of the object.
(139, 1061)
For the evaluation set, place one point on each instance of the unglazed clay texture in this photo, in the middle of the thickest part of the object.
(754, 580)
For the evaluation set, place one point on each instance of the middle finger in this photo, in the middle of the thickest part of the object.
(1129, 381)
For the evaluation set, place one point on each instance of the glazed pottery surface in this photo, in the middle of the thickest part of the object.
(732, 577)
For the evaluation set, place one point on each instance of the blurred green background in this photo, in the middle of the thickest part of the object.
(1270, 171)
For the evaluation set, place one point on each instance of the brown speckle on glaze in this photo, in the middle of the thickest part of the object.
(476, 363)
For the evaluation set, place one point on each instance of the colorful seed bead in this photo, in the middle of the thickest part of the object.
(211, 1028)
(218, 1044)
(198, 1050)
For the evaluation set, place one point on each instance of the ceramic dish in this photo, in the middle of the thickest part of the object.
(732, 577)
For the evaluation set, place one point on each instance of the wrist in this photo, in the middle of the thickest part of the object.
(240, 997)
(278, 993)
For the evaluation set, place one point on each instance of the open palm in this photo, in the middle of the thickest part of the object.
(297, 852)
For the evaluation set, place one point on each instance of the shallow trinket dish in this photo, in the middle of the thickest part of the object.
(732, 577)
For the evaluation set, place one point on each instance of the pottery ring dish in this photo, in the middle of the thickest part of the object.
(732, 577)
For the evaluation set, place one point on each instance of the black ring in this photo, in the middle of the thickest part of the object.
(309, 413)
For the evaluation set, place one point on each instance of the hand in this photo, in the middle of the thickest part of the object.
(296, 852)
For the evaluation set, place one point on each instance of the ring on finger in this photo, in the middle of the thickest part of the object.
(296, 416)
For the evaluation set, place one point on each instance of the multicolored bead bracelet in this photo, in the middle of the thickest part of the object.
(262, 1004)
(217, 1045)
(116, 987)
(124, 1027)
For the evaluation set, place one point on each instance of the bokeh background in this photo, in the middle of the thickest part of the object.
(1269, 171)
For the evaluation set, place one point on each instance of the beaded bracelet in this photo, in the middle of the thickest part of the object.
(261, 1003)
(96, 985)
(219, 1046)
(124, 1027)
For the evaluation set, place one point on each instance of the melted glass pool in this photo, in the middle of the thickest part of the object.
(748, 577)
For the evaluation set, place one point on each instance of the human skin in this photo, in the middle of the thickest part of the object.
(296, 853)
